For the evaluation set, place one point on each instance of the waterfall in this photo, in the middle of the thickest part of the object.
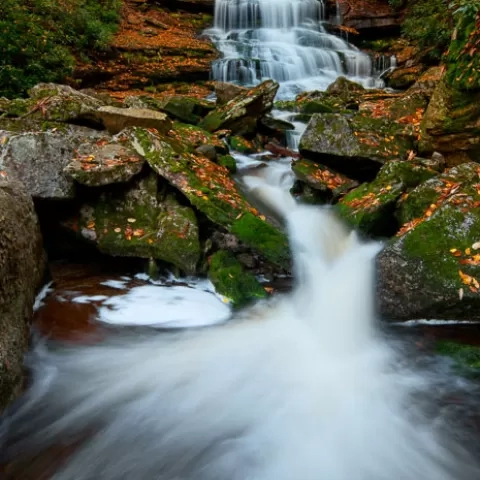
(284, 40)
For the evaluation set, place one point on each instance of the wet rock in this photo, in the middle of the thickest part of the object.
(207, 151)
(231, 280)
(427, 81)
(356, 145)
(116, 119)
(404, 77)
(209, 187)
(189, 137)
(225, 92)
(105, 161)
(242, 145)
(371, 207)
(241, 114)
(22, 265)
(343, 87)
(133, 222)
(228, 162)
(38, 159)
(432, 268)
(321, 178)
(451, 125)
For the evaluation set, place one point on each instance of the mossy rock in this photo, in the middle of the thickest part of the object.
(231, 280)
(451, 123)
(210, 188)
(371, 206)
(466, 357)
(228, 162)
(432, 269)
(322, 178)
(429, 195)
(241, 114)
(357, 145)
(190, 137)
(242, 145)
(131, 222)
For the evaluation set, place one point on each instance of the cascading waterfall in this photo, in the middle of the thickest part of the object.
(286, 41)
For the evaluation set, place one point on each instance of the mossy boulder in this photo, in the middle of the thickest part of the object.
(241, 113)
(356, 145)
(404, 77)
(38, 159)
(105, 161)
(228, 162)
(321, 178)
(342, 87)
(232, 280)
(137, 221)
(225, 92)
(451, 125)
(209, 187)
(432, 268)
(371, 206)
(189, 137)
(242, 145)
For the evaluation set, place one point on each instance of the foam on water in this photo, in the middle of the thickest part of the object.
(299, 387)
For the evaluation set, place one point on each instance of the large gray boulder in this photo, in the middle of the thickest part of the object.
(22, 263)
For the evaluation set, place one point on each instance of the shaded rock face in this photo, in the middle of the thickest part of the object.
(22, 263)
(38, 159)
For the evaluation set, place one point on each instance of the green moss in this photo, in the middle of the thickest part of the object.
(315, 107)
(231, 280)
(228, 162)
(263, 237)
(466, 357)
(242, 145)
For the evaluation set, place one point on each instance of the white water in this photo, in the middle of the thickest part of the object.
(285, 40)
(299, 387)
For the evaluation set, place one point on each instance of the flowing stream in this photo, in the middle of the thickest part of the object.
(288, 41)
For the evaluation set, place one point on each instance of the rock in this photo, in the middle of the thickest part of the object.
(451, 125)
(211, 190)
(404, 77)
(432, 268)
(242, 145)
(355, 145)
(371, 206)
(108, 160)
(241, 114)
(189, 137)
(38, 159)
(232, 281)
(22, 266)
(321, 178)
(228, 162)
(225, 92)
(116, 119)
(343, 87)
(132, 222)
(207, 151)
(182, 108)
(427, 81)
(61, 103)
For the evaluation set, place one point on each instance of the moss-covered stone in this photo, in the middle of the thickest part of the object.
(232, 281)
(371, 206)
(242, 145)
(240, 114)
(355, 145)
(228, 162)
(131, 221)
(321, 178)
(451, 124)
(190, 137)
(209, 187)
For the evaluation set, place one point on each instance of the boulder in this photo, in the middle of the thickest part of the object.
(231, 279)
(38, 159)
(356, 145)
(189, 137)
(105, 161)
(135, 221)
(225, 91)
(22, 265)
(209, 187)
(432, 268)
(241, 114)
(116, 119)
(371, 207)
(451, 125)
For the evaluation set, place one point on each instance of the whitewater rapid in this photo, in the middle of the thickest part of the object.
(302, 386)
